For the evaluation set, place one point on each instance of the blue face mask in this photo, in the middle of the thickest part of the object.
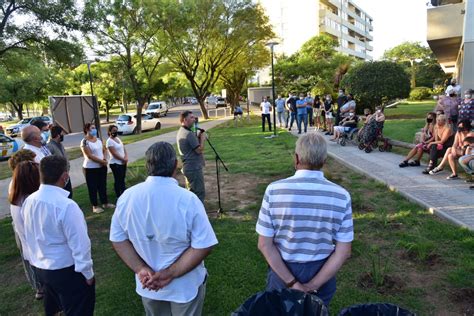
(44, 137)
(93, 132)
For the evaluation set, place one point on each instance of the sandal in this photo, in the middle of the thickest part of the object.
(452, 177)
(436, 170)
(414, 163)
(404, 164)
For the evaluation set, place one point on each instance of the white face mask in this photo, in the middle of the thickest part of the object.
(467, 96)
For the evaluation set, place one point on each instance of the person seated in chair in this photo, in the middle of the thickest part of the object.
(347, 124)
(467, 161)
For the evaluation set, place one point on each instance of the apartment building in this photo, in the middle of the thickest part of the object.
(296, 21)
(450, 35)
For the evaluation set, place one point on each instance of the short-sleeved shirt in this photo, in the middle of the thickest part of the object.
(280, 105)
(162, 220)
(187, 144)
(305, 215)
(303, 109)
(466, 110)
(96, 149)
(265, 106)
(40, 152)
(119, 149)
(292, 103)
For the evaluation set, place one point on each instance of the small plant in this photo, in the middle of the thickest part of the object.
(420, 93)
(378, 271)
(420, 250)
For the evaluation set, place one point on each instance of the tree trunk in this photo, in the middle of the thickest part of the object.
(205, 115)
(18, 107)
(107, 111)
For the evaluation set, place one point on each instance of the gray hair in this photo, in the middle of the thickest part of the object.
(311, 149)
(160, 160)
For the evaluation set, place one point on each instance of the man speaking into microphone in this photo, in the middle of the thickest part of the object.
(191, 148)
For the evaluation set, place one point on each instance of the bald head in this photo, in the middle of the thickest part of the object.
(31, 135)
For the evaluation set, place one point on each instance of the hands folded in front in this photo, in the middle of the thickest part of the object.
(154, 281)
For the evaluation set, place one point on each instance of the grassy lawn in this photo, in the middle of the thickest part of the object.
(401, 253)
(406, 119)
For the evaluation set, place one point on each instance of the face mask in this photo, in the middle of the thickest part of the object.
(351, 114)
(340, 93)
(93, 132)
(114, 134)
(452, 95)
(61, 138)
(301, 98)
(467, 96)
(328, 98)
(44, 137)
(378, 111)
(429, 120)
(461, 129)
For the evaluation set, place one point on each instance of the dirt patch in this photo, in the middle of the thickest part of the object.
(465, 298)
(239, 193)
(430, 260)
(386, 284)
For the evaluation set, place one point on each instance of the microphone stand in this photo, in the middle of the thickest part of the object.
(219, 161)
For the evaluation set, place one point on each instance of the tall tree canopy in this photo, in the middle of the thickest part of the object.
(419, 61)
(129, 30)
(36, 22)
(203, 38)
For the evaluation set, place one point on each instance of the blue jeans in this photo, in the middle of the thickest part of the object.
(304, 272)
(292, 118)
(281, 117)
(302, 118)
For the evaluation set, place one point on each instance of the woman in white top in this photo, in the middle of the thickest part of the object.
(25, 180)
(95, 168)
(118, 159)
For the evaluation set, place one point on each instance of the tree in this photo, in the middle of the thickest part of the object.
(318, 47)
(246, 64)
(411, 53)
(47, 20)
(129, 30)
(376, 83)
(205, 37)
(24, 80)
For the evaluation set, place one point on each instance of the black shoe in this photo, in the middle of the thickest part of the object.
(404, 164)
(427, 170)
(327, 133)
(414, 163)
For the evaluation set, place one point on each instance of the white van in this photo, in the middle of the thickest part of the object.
(157, 109)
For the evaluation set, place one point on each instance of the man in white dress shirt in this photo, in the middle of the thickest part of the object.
(57, 242)
(31, 135)
(162, 232)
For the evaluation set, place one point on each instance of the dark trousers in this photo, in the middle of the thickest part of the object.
(292, 119)
(68, 187)
(310, 116)
(266, 117)
(119, 172)
(304, 272)
(436, 153)
(96, 179)
(66, 290)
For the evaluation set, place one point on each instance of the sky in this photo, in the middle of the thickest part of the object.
(395, 21)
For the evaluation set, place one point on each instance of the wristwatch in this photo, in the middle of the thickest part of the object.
(291, 283)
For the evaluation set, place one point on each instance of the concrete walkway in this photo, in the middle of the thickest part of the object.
(449, 199)
(135, 151)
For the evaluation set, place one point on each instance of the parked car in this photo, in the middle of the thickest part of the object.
(211, 100)
(220, 102)
(127, 123)
(9, 145)
(158, 108)
(15, 130)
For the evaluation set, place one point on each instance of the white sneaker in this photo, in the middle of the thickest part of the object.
(97, 209)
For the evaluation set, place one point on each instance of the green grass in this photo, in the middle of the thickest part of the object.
(410, 110)
(406, 119)
(413, 258)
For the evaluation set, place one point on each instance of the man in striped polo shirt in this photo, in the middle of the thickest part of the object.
(305, 225)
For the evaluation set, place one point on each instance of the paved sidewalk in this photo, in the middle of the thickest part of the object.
(135, 151)
(449, 199)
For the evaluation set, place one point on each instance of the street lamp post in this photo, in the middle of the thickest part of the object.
(94, 101)
(271, 45)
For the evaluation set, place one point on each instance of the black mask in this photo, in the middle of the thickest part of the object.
(429, 120)
(461, 129)
(61, 138)
(114, 134)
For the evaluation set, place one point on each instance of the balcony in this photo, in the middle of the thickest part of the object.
(445, 31)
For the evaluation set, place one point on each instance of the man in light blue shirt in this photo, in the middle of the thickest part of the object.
(280, 109)
(302, 113)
